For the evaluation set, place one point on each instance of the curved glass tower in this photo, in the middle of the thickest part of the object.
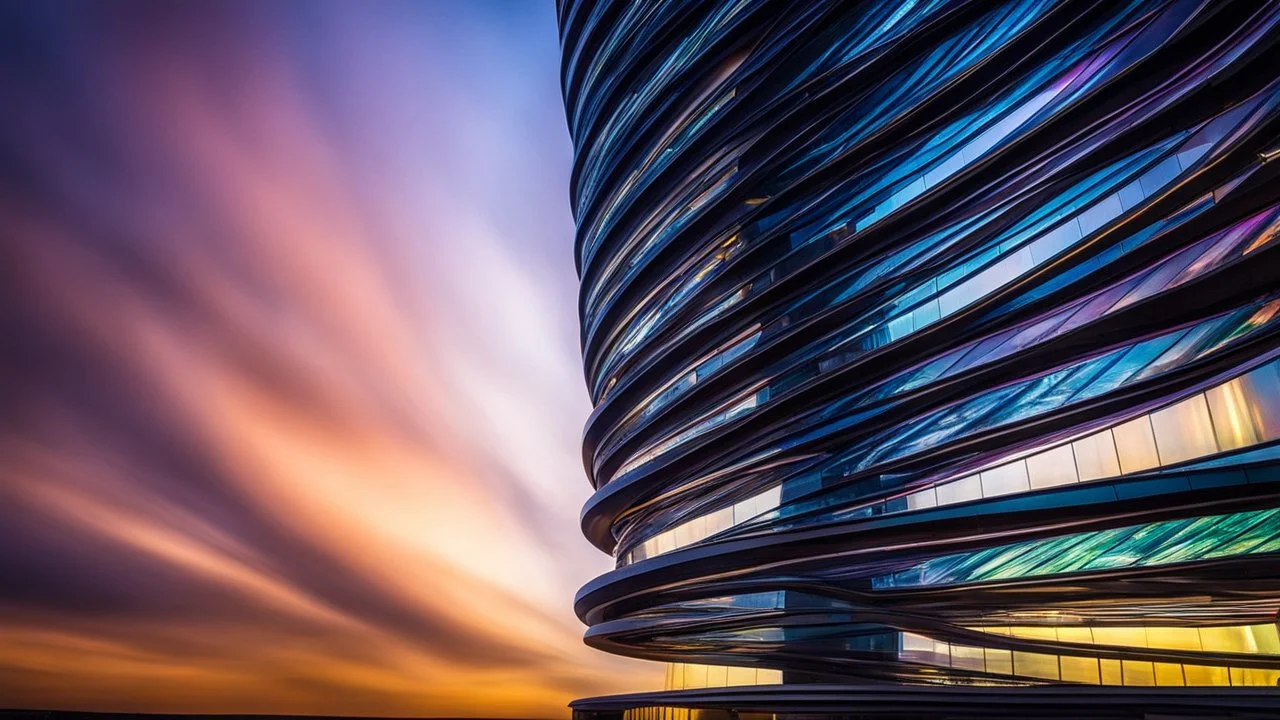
(935, 351)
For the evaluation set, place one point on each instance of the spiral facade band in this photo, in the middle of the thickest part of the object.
(933, 344)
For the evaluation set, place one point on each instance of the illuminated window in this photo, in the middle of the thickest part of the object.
(1096, 456)
(1136, 445)
(1052, 468)
(963, 490)
(1184, 431)
(1081, 670)
(1037, 665)
(1005, 479)
(926, 498)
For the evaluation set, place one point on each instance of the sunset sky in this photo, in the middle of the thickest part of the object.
(290, 389)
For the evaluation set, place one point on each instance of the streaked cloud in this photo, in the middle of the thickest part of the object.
(291, 380)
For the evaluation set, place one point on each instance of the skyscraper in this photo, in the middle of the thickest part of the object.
(935, 351)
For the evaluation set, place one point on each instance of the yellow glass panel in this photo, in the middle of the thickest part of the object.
(1136, 445)
(1205, 675)
(1138, 672)
(1237, 639)
(1080, 669)
(1111, 673)
(1052, 468)
(999, 662)
(1037, 632)
(1266, 638)
(1173, 638)
(1232, 424)
(1080, 635)
(717, 676)
(768, 676)
(1168, 674)
(1184, 431)
(1262, 638)
(695, 675)
(1123, 636)
(1254, 676)
(1038, 665)
(1096, 456)
(741, 676)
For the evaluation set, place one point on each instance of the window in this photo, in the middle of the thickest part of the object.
(1138, 672)
(1096, 456)
(1005, 479)
(1080, 670)
(1184, 431)
(962, 490)
(1136, 445)
(1052, 468)
(1037, 665)
(1246, 410)
(923, 499)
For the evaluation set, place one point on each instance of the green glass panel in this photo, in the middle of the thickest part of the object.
(1135, 546)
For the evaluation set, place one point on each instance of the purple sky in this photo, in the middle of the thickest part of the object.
(290, 381)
